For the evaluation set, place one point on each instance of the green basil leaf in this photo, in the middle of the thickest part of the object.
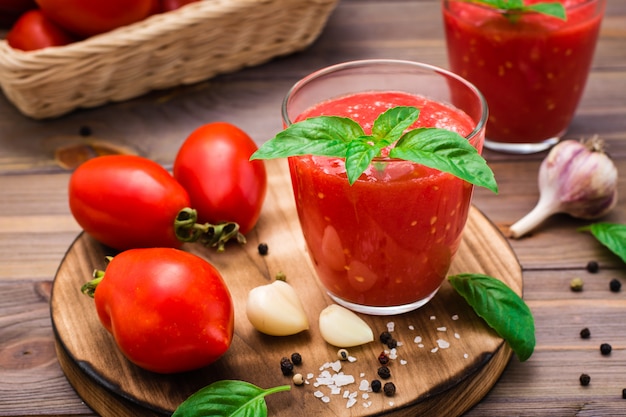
(501, 308)
(322, 136)
(554, 9)
(446, 151)
(358, 157)
(611, 235)
(390, 125)
(227, 398)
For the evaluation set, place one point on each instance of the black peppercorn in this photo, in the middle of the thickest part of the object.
(389, 389)
(383, 358)
(384, 372)
(624, 393)
(593, 267)
(585, 333)
(286, 366)
(385, 337)
(296, 358)
(392, 344)
(84, 131)
(263, 248)
(605, 349)
(615, 285)
(376, 385)
(584, 379)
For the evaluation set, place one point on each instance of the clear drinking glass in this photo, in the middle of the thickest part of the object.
(532, 68)
(384, 244)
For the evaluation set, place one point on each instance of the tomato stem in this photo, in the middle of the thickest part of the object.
(89, 288)
(214, 235)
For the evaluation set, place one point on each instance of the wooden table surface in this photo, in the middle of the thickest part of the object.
(36, 227)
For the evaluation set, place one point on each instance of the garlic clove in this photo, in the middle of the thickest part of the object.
(276, 310)
(343, 328)
(576, 178)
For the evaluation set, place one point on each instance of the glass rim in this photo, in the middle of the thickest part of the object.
(480, 124)
(568, 7)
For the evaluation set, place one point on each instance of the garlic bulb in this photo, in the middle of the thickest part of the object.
(576, 178)
(343, 328)
(275, 309)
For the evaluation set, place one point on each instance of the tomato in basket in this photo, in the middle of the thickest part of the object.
(33, 30)
(90, 17)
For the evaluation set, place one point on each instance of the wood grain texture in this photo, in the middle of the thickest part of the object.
(453, 378)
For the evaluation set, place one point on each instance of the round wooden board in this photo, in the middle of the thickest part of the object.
(429, 380)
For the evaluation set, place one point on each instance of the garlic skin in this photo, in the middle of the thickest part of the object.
(276, 310)
(343, 328)
(575, 178)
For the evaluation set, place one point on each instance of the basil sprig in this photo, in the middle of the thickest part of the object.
(501, 308)
(611, 235)
(515, 7)
(342, 137)
(228, 398)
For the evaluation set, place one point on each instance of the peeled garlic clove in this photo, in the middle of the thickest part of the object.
(343, 328)
(275, 309)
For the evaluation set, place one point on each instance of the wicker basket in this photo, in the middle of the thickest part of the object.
(185, 46)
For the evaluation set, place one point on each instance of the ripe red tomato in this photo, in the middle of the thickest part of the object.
(213, 164)
(91, 17)
(127, 201)
(168, 310)
(11, 10)
(169, 5)
(33, 30)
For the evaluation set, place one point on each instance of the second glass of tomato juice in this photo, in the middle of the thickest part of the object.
(532, 67)
(384, 244)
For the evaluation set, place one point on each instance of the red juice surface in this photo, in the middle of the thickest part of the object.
(532, 72)
(388, 239)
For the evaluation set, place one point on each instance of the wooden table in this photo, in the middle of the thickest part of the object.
(36, 227)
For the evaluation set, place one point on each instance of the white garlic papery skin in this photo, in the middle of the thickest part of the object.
(575, 178)
(275, 309)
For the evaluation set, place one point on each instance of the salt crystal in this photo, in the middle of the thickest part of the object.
(465, 355)
(351, 359)
(309, 375)
(441, 329)
(364, 385)
(335, 390)
(421, 345)
(365, 396)
(455, 317)
(391, 403)
(318, 394)
(433, 350)
(325, 399)
(346, 394)
(411, 327)
(350, 402)
(402, 362)
(362, 374)
(417, 339)
(336, 366)
(443, 344)
(458, 336)
(391, 326)
(433, 317)
(367, 404)
(399, 343)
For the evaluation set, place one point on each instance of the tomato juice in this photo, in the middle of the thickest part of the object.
(532, 68)
(389, 239)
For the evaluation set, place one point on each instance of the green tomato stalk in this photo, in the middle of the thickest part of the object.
(214, 235)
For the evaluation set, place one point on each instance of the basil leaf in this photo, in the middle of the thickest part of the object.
(611, 235)
(227, 398)
(446, 151)
(554, 9)
(501, 308)
(358, 157)
(390, 125)
(322, 136)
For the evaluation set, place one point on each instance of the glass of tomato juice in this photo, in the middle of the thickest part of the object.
(531, 67)
(383, 245)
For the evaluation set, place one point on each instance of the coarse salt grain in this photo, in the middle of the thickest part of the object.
(403, 362)
(325, 399)
(350, 402)
(455, 317)
(433, 317)
(351, 359)
(364, 385)
(433, 350)
(443, 344)
(411, 327)
(465, 355)
(420, 345)
(391, 326)
(441, 329)
(417, 339)
(318, 394)
(367, 404)
(456, 335)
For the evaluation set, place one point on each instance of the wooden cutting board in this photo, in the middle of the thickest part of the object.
(448, 358)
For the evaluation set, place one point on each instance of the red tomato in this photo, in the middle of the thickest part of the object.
(168, 310)
(10, 10)
(169, 5)
(213, 164)
(33, 30)
(91, 17)
(127, 201)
